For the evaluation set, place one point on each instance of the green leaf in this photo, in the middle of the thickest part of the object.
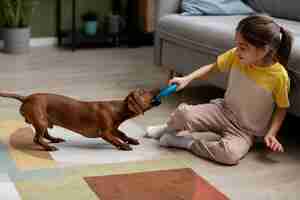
(16, 13)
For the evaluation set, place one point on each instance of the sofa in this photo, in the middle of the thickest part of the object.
(183, 43)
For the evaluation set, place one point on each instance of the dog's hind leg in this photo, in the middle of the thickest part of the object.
(53, 139)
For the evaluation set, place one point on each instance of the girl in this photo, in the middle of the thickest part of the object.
(255, 101)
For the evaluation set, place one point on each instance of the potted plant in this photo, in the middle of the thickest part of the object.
(15, 22)
(90, 23)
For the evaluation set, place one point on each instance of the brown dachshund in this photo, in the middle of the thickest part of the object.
(90, 119)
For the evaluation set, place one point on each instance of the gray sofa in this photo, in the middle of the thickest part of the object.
(183, 43)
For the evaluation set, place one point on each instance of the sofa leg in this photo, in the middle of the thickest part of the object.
(158, 50)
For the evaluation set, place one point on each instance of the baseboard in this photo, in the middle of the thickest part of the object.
(39, 42)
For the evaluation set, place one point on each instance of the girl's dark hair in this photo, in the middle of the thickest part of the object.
(262, 30)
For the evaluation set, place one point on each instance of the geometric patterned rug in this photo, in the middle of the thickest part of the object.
(28, 173)
(159, 185)
(77, 150)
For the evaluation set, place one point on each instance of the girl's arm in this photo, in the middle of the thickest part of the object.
(270, 138)
(201, 73)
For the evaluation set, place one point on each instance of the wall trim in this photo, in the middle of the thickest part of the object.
(46, 41)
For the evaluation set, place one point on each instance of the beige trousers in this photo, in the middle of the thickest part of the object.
(231, 142)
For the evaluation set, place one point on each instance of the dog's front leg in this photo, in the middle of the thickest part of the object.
(38, 139)
(125, 138)
(53, 139)
(109, 137)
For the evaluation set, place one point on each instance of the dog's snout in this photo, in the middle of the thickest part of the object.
(155, 92)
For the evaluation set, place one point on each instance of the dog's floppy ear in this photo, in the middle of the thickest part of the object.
(133, 103)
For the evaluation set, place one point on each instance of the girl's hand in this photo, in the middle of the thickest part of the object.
(180, 81)
(273, 143)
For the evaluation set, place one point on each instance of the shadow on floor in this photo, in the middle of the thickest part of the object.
(199, 94)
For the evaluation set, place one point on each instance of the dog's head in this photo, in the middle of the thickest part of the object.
(140, 100)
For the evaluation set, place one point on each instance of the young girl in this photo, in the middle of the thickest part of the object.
(255, 101)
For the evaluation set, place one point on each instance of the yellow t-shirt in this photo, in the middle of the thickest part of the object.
(253, 91)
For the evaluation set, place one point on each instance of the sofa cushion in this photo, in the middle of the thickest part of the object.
(288, 9)
(216, 7)
(216, 33)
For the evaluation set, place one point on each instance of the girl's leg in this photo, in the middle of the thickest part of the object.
(171, 140)
(202, 117)
(228, 150)
(157, 131)
(231, 145)
(185, 142)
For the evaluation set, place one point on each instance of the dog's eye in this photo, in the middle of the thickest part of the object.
(140, 92)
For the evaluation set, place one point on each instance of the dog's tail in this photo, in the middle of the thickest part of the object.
(14, 96)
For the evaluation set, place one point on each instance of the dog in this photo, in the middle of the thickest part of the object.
(90, 119)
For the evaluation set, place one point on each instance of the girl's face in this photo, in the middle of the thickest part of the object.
(248, 53)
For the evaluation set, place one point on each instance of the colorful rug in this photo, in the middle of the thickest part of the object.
(28, 173)
(175, 184)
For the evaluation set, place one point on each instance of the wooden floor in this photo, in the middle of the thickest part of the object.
(113, 73)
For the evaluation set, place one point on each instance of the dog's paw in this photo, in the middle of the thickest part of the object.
(133, 141)
(57, 140)
(125, 147)
(51, 148)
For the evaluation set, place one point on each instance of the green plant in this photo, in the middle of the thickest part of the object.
(89, 16)
(16, 13)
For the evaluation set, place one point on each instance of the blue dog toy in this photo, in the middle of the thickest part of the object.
(167, 91)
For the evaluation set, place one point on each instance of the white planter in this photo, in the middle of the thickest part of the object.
(16, 40)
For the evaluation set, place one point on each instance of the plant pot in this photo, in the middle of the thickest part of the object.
(16, 40)
(90, 27)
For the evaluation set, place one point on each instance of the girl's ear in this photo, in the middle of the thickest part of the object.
(266, 50)
(265, 53)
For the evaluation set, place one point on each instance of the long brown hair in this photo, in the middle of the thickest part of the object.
(262, 30)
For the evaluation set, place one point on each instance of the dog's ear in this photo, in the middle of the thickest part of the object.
(134, 104)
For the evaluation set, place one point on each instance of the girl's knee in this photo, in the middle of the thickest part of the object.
(230, 159)
(180, 117)
(183, 112)
(231, 155)
(216, 151)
